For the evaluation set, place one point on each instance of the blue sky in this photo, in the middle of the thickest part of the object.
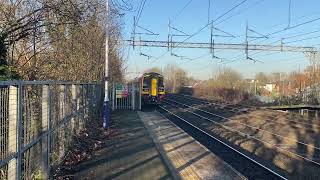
(263, 16)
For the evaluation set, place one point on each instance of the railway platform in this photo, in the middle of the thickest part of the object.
(146, 145)
(185, 156)
(129, 153)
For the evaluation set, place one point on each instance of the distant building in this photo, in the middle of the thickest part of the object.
(270, 87)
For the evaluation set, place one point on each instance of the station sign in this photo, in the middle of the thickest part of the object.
(121, 91)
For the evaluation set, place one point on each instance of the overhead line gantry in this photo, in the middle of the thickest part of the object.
(225, 46)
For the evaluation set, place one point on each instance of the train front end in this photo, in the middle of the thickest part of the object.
(153, 90)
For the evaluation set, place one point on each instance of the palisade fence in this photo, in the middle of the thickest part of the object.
(38, 120)
(128, 97)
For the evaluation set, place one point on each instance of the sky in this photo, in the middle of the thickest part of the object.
(262, 16)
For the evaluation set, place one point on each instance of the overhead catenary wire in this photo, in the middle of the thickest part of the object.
(290, 37)
(289, 14)
(282, 30)
(195, 58)
(209, 9)
(140, 12)
(206, 25)
(135, 17)
(227, 12)
(280, 37)
(181, 10)
(209, 23)
(292, 27)
(123, 5)
(304, 39)
(139, 8)
(280, 60)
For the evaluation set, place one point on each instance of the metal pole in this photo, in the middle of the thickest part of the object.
(255, 87)
(113, 96)
(106, 111)
(247, 43)
(45, 122)
(168, 34)
(134, 31)
(13, 130)
(20, 131)
(140, 89)
(50, 107)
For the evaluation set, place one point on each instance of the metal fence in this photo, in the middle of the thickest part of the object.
(128, 98)
(38, 121)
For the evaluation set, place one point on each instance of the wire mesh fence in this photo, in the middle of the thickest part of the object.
(38, 121)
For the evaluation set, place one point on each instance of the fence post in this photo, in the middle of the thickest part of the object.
(49, 131)
(114, 99)
(44, 124)
(139, 91)
(83, 106)
(20, 130)
(13, 130)
(94, 96)
(87, 103)
(74, 106)
(60, 129)
(78, 119)
(133, 96)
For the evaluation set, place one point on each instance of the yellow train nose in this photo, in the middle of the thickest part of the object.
(154, 87)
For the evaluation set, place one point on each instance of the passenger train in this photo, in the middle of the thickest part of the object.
(152, 88)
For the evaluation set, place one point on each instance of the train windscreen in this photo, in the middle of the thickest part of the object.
(146, 84)
(160, 82)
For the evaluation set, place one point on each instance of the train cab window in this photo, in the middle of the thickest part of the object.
(160, 84)
(160, 81)
(146, 82)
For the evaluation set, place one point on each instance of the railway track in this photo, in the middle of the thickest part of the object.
(241, 161)
(205, 120)
(220, 104)
(243, 109)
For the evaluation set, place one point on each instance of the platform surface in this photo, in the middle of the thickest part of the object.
(130, 154)
(187, 157)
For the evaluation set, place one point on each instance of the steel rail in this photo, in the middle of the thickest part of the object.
(252, 127)
(225, 144)
(232, 168)
(248, 135)
(298, 122)
(208, 102)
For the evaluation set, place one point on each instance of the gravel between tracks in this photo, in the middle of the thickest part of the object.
(270, 121)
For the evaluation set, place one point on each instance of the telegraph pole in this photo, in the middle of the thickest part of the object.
(106, 110)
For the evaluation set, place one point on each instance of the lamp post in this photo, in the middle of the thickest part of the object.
(106, 109)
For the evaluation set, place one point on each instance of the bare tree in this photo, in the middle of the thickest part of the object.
(175, 78)
(56, 39)
(228, 85)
